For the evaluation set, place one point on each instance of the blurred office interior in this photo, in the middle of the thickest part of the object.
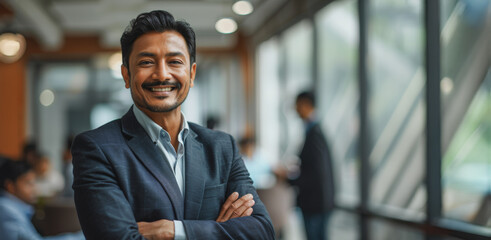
(403, 88)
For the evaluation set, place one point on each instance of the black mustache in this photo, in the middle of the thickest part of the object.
(164, 83)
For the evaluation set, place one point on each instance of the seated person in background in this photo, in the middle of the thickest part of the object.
(30, 152)
(17, 191)
(48, 181)
(257, 165)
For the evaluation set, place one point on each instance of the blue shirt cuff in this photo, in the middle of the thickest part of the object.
(179, 233)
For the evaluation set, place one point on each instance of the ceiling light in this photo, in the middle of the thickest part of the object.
(47, 97)
(226, 25)
(12, 47)
(243, 7)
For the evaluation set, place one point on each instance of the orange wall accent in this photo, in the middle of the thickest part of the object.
(12, 107)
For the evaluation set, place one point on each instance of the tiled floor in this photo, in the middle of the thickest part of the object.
(342, 226)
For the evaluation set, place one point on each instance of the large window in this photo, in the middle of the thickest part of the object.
(394, 82)
(396, 107)
(466, 111)
(283, 70)
(338, 94)
(296, 77)
(268, 98)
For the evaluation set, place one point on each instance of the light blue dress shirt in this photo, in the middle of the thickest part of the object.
(162, 140)
(15, 221)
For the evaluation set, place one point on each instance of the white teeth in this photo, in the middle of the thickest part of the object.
(167, 89)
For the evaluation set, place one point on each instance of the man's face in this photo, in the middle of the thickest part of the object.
(302, 108)
(24, 188)
(160, 73)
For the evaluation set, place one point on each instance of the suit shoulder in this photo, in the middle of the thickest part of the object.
(104, 132)
(208, 134)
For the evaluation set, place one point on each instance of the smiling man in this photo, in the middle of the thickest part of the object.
(152, 174)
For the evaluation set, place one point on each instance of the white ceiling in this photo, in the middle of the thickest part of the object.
(49, 20)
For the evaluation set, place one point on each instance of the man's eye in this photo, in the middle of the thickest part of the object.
(145, 62)
(175, 62)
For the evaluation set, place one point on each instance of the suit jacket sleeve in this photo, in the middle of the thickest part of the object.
(257, 226)
(102, 208)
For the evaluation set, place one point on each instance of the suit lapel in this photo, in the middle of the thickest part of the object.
(148, 154)
(195, 176)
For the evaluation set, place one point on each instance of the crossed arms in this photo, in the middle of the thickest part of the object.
(233, 207)
(116, 199)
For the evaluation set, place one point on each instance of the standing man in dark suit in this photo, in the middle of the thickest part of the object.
(315, 182)
(152, 174)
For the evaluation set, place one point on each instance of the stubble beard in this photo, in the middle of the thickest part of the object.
(156, 108)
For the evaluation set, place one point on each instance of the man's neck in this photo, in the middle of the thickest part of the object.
(169, 121)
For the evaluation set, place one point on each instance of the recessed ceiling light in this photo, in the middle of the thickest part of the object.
(47, 97)
(243, 7)
(226, 25)
(12, 47)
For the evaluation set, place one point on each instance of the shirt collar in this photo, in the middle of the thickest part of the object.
(310, 122)
(18, 204)
(153, 129)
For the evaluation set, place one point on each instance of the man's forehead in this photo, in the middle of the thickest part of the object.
(169, 39)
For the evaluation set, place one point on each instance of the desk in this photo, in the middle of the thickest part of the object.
(55, 216)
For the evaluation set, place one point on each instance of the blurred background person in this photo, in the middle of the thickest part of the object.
(258, 166)
(17, 192)
(30, 152)
(49, 182)
(276, 195)
(315, 182)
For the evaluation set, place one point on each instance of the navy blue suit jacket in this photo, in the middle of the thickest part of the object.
(120, 179)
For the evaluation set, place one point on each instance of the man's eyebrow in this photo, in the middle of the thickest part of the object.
(173, 54)
(146, 54)
(170, 54)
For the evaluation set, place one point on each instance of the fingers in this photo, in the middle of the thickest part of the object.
(238, 208)
(231, 199)
(247, 212)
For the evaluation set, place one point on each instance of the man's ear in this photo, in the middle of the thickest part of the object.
(193, 74)
(126, 75)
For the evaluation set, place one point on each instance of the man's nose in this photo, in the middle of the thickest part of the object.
(161, 72)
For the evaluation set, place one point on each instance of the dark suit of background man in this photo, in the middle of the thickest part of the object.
(151, 174)
(315, 183)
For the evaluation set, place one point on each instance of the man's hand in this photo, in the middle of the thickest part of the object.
(158, 230)
(233, 207)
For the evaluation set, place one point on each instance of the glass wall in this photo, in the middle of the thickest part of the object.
(337, 93)
(466, 110)
(296, 76)
(396, 110)
(396, 106)
(284, 69)
(268, 98)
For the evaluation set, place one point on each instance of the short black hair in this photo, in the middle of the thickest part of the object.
(11, 170)
(308, 96)
(29, 146)
(156, 21)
